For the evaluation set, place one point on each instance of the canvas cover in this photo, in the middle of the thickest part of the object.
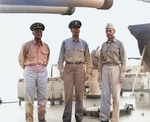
(142, 33)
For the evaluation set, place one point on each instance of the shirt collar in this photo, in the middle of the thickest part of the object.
(36, 42)
(114, 40)
(74, 41)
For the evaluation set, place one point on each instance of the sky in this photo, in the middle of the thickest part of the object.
(14, 31)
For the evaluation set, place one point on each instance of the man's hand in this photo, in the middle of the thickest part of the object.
(60, 79)
(99, 80)
(61, 75)
(100, 85)
(121, 79)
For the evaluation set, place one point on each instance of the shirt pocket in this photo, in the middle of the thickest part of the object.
(104, 54)
(115, 50)
(31, 54)
(44, 54)
(81, 52)
(68, 52)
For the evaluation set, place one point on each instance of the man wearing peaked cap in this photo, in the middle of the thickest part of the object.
(74, 23)
(75, 52)
(36, 26)
(33, 58)
(112, 62)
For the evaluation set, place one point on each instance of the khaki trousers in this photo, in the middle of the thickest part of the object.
(35, 80)
(73, 75)
(110, 86)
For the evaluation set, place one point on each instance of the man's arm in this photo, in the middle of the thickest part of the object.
(61, 59)
(123, 59)
(123, 62)
(100, 67)
(21, 57)
(48, 56)
(88, 62)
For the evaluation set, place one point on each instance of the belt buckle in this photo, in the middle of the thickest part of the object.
(74, 63)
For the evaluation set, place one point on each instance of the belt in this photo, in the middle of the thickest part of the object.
(37, 65)
(111, 64)
(74, 63)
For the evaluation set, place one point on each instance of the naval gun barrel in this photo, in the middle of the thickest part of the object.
(36, 9)
(51, 6)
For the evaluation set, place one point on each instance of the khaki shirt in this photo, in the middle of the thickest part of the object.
(74, 52)
(113, 53)
(32, 54)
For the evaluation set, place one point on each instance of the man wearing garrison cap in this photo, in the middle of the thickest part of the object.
(33, 58)
(112, 66)
(75, 52)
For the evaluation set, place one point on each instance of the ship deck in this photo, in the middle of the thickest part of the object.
(13, 112)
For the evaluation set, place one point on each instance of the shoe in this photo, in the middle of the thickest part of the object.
(42, 121)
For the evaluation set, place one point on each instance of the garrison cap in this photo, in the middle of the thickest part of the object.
(74, 23)
(37, 25)
(110, 26)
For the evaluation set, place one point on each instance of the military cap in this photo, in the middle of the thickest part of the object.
(37, 25)
(75, 23)
(110, 26)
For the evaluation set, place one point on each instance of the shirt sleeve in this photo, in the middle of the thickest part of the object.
(123, 59)
(48, 56)
(21, 57)
(88, 61)
(100, 65)
(61, 58)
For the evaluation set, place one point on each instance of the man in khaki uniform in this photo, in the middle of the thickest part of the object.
(33, 58)
(75, 52)
(112, 65)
